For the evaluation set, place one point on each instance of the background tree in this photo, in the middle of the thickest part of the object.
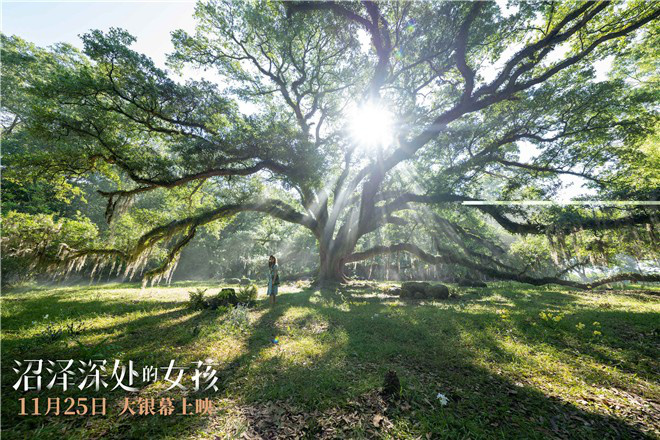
(464, 89)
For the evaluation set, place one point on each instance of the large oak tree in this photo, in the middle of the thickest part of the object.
(464, 87)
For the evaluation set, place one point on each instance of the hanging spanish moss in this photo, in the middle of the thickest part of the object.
(167, 268)
(119, 202)
(568, 236)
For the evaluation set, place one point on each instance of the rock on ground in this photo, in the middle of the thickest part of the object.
(423, 290)
(464, 282)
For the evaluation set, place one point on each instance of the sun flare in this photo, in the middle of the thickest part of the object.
(371, 125)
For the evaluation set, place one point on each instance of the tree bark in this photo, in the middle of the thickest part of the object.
(331, 263)
(331, 269)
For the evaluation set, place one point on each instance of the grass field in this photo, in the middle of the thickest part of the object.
(512, 361)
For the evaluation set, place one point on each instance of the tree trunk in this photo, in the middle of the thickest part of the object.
(331, 266)
(331, 271)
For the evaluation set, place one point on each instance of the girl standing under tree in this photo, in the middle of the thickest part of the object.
(273, 279)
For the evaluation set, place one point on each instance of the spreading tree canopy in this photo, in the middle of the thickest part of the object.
(348, 118)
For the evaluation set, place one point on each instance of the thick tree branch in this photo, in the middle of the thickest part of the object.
(551, 39)
(116, 197)
(488, 96)
(403, 201)
(492, 272)
(272, 207)
(461, 49)
(337, 8)
(546, 169)
(377, 28)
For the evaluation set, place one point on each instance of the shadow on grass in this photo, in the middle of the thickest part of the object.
(151, 337)
(423, 345)
(634, 335)
(354, 339)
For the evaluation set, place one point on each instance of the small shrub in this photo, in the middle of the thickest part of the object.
(550, 317)
(76, 327)
(219, 303)
(247, 295)
(226, 297)
(196, 301)
(52, 332)
(239, 318)
(213, 303)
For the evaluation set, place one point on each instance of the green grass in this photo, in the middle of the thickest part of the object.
(508, 373)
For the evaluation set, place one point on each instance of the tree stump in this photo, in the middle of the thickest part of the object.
(391, 385)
